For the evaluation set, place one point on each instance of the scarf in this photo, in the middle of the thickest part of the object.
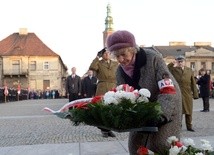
(129, 69)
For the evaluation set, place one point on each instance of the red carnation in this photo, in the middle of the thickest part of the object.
(178, 144)
(113, 89)
(81, 105)
(142, 151)
(96, 99)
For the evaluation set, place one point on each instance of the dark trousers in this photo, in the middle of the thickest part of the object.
(206, 104)
(73, 96)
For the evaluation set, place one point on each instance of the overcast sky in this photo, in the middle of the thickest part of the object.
(75, 27)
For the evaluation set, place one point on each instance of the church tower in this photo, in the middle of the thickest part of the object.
(108, 25)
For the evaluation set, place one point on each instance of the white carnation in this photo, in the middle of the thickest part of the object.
(188, 142)
(119, 95)
(109, 94)
(110, 100)
(183, 149)
(174, 150)
(143, 99)
(127, 95)
(172, 139)
(120, 87)
(130, 96)
(207, 147)
(144, 92)
(204, 141)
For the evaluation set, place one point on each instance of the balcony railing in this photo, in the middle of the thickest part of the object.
(15, 72)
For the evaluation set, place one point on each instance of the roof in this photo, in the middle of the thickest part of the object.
(174, 50)
(208, 48)
(24, 45)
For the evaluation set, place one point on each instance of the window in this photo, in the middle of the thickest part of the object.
(46, 84)
(192, 65)
(46, 65)
(33, 65)
(203, 65)
(212, 65)
(15, 66)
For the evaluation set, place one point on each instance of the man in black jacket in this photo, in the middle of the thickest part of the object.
(204, 86)
(89, 85)
(73, 85)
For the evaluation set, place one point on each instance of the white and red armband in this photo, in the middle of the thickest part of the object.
(166, 86)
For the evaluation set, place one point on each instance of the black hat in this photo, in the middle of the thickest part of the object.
(102, 51)
(180, 58)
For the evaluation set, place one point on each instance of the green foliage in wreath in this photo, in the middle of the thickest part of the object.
(124, 115)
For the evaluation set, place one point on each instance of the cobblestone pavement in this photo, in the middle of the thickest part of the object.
(24, 123)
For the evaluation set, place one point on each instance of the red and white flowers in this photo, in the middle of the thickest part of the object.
(184, 147)
(126, 92)
(121, 109)
(187, 147)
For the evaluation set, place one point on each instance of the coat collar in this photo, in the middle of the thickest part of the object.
(107, 64)
(140, 61)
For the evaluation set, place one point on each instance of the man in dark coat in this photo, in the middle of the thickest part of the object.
(73, 85)
(1, 94)
(89, 85)
(204, 86)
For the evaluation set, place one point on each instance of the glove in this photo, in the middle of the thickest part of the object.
(100, 53)
(162, 121)
(158, 123)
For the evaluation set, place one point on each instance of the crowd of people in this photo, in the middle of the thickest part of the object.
(12, 94)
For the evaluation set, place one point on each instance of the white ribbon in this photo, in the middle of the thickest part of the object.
(68, 105)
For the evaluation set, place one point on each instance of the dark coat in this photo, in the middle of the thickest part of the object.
(149, 69)
(204, 85)
(89, 86)
(186, 80)
(73, 85)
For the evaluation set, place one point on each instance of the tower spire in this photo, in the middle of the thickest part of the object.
(109, 19)
(108, 25)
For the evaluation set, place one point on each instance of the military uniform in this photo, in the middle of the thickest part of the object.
(187, 84)
(105, 73)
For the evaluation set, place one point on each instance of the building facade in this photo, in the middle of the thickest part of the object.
(200, 55)
(26, 62)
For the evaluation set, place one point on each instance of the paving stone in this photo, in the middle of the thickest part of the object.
(24, 123)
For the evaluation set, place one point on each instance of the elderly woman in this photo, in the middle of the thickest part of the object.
(144, 68)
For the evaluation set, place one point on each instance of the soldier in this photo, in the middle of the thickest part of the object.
(186, 80)
(105, 70)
